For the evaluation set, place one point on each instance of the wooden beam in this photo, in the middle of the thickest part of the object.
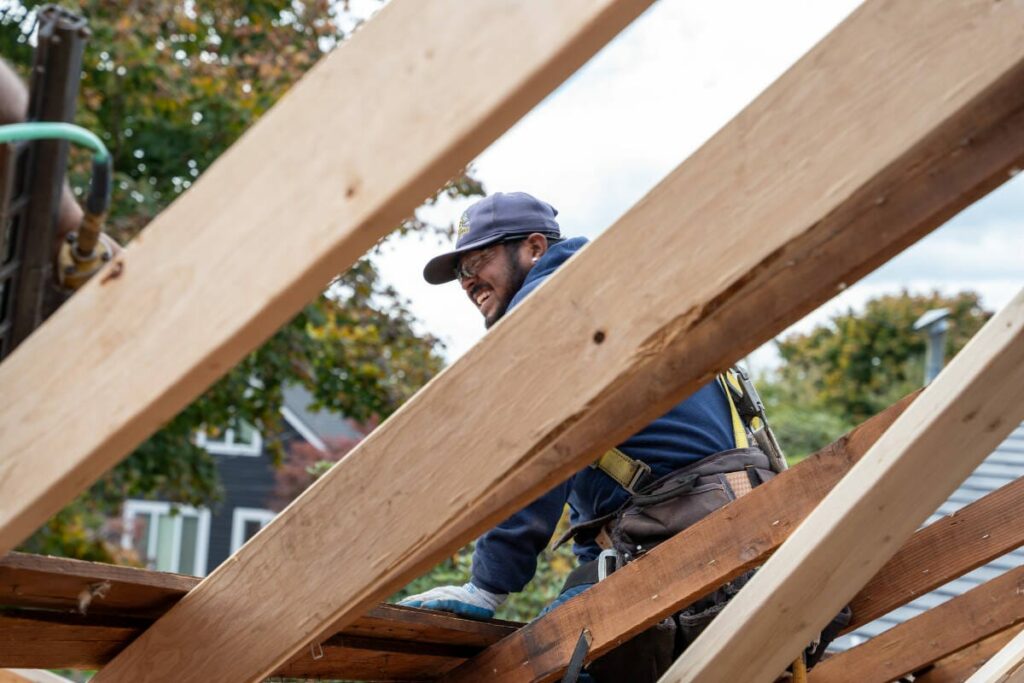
(30, 638)
(955, 423)
(688, 566)
(1006, 666)
(48, 640)
(41, 626)
(936, 633)
(36, 638)
(315, 182)
(37, 582)
(796, 211)
(59, 583)
(959, 666)
(976, 534)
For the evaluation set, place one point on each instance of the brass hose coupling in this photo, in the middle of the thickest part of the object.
(84, 252)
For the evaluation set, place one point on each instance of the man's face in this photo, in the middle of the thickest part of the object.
(491, 277)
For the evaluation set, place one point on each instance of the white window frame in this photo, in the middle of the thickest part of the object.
(242, 515)
(135, 508)
(227, 445)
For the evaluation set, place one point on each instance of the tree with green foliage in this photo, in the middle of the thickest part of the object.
(169, 86)
(858, 363)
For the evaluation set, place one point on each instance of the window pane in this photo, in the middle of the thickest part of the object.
(165, 543)
(245, 434)
(252, 526)
(140, 537)
(189, 544)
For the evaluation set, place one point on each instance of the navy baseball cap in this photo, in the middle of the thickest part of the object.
(499, 217)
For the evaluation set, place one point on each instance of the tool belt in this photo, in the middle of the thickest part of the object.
(653, 514)
(666, 506)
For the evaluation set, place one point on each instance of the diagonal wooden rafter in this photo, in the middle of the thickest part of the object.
(912, 152)
(955, 423)
(352, 149)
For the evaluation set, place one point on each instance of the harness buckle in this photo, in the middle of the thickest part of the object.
(641, 474)
(748, 404)
(608, 558)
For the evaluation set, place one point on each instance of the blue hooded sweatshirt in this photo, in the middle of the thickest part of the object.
(506, 557)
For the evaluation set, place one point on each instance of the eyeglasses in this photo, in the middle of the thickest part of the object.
(470, 265)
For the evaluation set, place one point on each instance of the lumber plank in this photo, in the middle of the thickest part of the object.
(959, 666)
(60, 583)
(374, 648)
(955, 423)
(950, 547)
(48, 641)
(797, 211)
(936, 633)
(39, 639)
(1006, 666)
(56, 583)
(353, 148)
(40, 625)
(684, 568)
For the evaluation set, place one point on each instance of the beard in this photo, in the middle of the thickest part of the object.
(515, 275)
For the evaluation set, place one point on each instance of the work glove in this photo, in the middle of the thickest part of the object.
(466, 600)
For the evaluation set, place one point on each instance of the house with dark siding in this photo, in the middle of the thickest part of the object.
(195, 540)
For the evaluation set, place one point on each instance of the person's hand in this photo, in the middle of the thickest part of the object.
(466, 600)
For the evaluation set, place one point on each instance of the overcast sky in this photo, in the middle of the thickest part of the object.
(646, 102)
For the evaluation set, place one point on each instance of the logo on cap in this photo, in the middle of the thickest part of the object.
(464, 223)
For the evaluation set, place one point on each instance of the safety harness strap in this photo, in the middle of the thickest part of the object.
(629, 472)
(731, 386)
(632, 473)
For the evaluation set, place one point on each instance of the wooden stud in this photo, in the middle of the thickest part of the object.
(796, 211)
(955, 423)
(684, 568)
(936, 633)
(351, 150)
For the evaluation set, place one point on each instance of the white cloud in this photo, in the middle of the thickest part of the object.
(648, 100)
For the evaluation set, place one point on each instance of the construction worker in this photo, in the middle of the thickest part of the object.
(507, 245)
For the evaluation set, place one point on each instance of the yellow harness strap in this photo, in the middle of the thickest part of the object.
(739, 432)
(622, 468)
(628, 471)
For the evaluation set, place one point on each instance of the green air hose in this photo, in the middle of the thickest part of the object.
(87, 248)
(99, 188)
(48, 130)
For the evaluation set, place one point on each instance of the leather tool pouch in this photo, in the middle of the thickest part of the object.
(684, 497)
